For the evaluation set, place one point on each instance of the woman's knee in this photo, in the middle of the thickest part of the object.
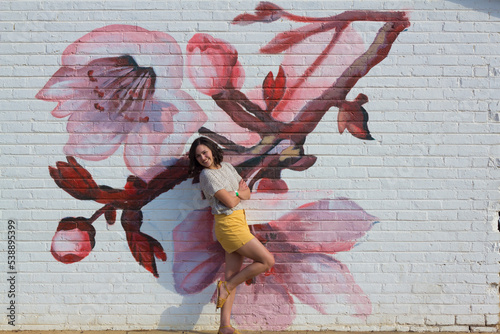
(269, 261)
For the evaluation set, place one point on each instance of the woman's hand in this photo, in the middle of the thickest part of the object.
(243, 190)
(242, 186)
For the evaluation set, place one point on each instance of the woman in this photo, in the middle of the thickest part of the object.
(225, 189)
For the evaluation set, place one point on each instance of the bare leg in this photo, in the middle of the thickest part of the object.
(263, 260)
(233, 266)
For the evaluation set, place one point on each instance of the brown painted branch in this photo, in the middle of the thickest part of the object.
(136, 197)
(251, 107)
(223, 141)
(239, 115)
(350, 16)
(307, 120)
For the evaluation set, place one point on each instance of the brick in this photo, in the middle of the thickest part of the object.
(470, 319)
(429, 264)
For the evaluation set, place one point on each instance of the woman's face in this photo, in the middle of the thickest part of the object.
(204, 157)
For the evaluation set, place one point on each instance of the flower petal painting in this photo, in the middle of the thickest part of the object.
(213, 65)
(113, 101)
(134, 93)
(304, 266)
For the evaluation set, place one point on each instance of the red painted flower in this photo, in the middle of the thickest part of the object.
(120, 84)
(73, 240)
(213, 64)
(300, 242)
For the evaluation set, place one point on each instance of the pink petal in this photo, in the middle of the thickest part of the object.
(160, 141)
(144, 143)
(306, 80)
(116, 86)
(187, 121)
(93, 147)
(64, 84)
(211, 63)
(316, 278)
(67, 107)
(70, 87)
(69, 246)
(238, 76)
(265, 305)
(198, 256)
(150, 49)
(326, 226)
(92, 136)
(225, 126)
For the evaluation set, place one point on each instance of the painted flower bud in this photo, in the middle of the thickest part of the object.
(73, 240)
(213, 65)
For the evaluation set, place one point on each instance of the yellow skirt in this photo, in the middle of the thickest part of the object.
(232, 230)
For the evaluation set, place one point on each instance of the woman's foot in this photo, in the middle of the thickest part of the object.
(227, 330)
(222, 294)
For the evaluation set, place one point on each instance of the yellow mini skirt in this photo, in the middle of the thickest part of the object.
(232, 230)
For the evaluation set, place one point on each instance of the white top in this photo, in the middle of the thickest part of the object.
(213, 180)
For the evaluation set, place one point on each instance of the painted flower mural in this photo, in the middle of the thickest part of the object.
(300, 242)
(73, 240)
(121, 86)
(213, 65)
(111, 100)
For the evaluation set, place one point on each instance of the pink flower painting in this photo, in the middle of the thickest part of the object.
(302, 241)
(122, 90)
(73, 240)
(120, 84)
(213, 65)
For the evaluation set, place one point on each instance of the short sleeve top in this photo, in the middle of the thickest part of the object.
(213, 180)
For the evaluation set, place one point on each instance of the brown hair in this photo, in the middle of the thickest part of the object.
(217, 154)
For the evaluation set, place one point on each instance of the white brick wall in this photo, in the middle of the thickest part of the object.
(430, 176)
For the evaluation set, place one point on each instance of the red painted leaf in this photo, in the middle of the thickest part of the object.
(303, 163)
(74, 179)
(143, 247)
(265, 6)
(274, 89)
(353, 117)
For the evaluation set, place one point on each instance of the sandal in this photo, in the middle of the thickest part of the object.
(234, 332)
(221, 301)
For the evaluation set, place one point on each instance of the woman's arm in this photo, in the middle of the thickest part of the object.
(229, 198)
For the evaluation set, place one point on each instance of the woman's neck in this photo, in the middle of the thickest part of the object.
(214, 167)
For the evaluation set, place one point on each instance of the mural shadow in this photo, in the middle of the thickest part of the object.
(161, 216)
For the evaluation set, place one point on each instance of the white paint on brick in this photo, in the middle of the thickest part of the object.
(430, 176)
